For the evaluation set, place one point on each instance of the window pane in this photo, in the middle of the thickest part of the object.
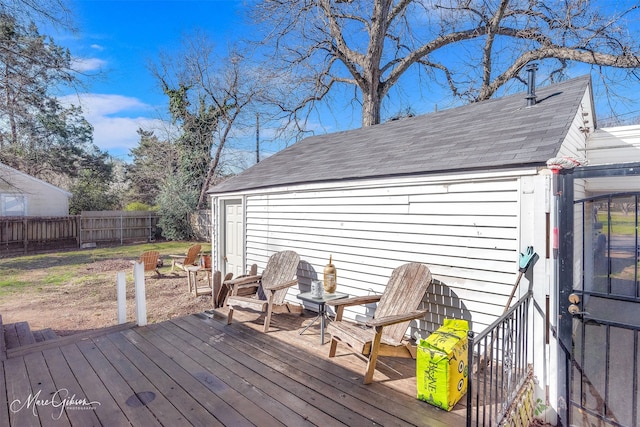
(14, 205)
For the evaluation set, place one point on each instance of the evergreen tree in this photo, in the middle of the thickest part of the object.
(152, 161)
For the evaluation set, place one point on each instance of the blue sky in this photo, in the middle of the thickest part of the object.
(120, 37)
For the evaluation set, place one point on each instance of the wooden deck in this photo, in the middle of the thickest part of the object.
(196, 370)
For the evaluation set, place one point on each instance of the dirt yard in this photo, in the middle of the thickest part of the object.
(74, 306)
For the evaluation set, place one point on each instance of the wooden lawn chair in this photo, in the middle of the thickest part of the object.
(397, 306)
(150, 261)
(184, 261)
(278, 276)
(219, 293)
(239, 287)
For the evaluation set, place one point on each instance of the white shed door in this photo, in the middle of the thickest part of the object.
(233, 232)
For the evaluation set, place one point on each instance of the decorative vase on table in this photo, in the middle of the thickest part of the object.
(330, 277)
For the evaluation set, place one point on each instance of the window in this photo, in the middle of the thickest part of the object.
(13, 205)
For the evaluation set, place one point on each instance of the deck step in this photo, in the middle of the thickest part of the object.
(18, 334)
(62, 340)
(44, 335)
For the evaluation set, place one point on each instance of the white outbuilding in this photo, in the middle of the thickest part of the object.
(464, 191)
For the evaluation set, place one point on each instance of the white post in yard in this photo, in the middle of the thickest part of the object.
(141, 297)
(122, 298)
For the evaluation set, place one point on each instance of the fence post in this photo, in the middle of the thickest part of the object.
(79, 229)
(141, 297)
(122, 297)
(25, 234)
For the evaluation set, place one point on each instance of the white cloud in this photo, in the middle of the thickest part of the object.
(119, 134)
(82, 65)
(97, 47)
(115, 119)
(98, 104)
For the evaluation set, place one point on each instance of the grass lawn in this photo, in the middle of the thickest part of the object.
(620, 223)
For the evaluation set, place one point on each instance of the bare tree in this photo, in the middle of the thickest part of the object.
(54, 12)
(223, 89)
(471, 47)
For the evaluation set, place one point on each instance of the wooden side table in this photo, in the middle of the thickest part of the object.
(192, 280)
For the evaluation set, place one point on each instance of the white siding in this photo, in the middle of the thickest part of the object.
(42, 199)
(466, 232)
(575, 143)
(614, 145)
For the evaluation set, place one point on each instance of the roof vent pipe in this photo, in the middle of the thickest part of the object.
(531, 84)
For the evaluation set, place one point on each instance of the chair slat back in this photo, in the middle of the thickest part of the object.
(192, 254)
(281, 267)
(404, 293)
(150, 260)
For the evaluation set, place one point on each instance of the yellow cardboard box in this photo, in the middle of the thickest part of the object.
(441, 365)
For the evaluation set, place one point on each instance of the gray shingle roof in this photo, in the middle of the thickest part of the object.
(498, 133)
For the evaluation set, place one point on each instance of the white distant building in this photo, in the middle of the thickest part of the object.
(24, 195)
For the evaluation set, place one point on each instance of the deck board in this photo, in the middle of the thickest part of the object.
(228, 403)
(243, 380)
(93, 389)
(11, 336)
(197, 370)
(118, 386)
(25, 337)
(277, 358)
(4, 403)
(63, 378)
(212, 403)
(192, 410)
(43, 386)
(19, 391)
(340, 378)
(161, 408)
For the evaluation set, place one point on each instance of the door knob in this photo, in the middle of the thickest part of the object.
(574, 310)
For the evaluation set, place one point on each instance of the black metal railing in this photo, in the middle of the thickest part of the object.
(498, 365)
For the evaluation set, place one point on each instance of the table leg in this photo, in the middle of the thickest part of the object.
(322, 314)
(312, 322)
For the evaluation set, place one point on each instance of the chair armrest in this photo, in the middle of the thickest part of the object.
(243, 280)
(282, 285)
(367, 299)
(397, 318)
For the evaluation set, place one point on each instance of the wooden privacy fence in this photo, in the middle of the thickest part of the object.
(36, 234)
(20, 235)
(201, 224)
(118, 226)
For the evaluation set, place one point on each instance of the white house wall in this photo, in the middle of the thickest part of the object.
(466, 231)
(469, 230)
